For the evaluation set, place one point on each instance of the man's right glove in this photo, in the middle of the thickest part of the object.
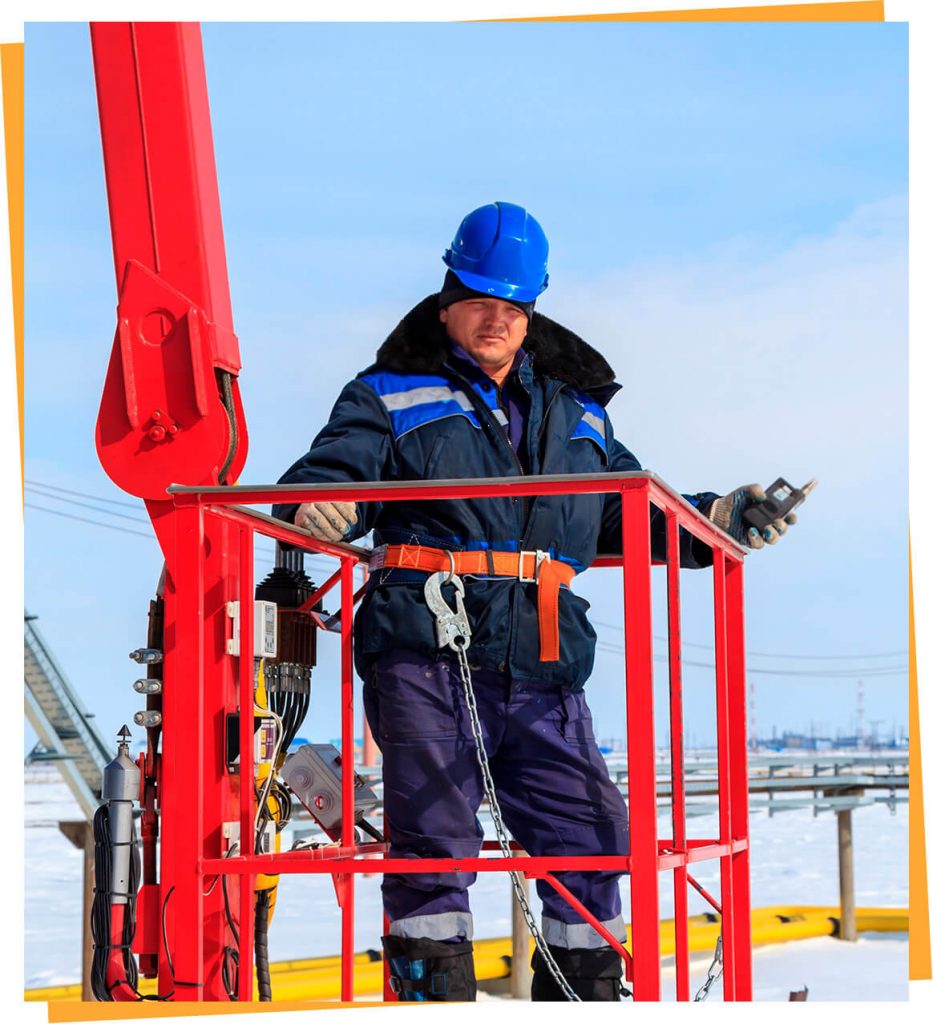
(726, 513)
(327, 520)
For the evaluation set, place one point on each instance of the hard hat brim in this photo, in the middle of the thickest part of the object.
(498, 289)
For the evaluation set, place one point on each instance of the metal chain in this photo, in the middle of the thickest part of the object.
(459, 645)
(711, 978)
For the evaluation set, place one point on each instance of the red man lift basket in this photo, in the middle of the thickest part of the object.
(212, 519)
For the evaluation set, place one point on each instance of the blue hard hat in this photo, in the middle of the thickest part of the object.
(500, 250)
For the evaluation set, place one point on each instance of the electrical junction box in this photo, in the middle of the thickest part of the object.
(265, 629)
(264, 729)
(314, 773)
(231, 835)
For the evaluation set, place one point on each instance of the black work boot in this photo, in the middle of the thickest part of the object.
(594, 974)
(428, 970)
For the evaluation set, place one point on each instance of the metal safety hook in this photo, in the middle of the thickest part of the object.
(451, 624)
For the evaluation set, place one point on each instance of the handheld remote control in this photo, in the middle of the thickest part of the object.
(781, 499)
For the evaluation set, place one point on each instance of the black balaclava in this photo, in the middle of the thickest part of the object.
(454, 290)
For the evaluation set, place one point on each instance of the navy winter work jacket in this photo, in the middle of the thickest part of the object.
(414, 415)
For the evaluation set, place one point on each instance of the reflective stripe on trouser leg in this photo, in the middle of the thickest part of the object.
(580, 936)
(434, 926)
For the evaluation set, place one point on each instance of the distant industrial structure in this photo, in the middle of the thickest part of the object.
(812, 742)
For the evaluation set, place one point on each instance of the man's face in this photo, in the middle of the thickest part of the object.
(491, 330)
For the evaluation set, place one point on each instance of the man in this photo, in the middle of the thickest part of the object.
(474, 383)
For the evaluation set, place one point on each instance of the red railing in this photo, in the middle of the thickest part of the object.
(212, 564)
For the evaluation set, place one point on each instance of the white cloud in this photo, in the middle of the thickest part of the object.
(751, 358)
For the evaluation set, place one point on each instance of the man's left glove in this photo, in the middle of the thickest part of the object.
(327, 520)
(726, 513)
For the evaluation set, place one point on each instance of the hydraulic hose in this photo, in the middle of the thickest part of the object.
(119, 986)
(261, 945)
(226, 389)
(113, 973)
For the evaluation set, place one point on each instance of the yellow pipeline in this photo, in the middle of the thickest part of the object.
(319, 977)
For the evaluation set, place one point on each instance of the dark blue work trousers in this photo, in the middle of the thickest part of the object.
(551, 780)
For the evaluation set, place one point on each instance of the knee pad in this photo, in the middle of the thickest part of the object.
(425, 970)
(594, 974)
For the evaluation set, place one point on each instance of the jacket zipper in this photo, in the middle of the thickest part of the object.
(560, 387)
(480, 405)
(544, 415)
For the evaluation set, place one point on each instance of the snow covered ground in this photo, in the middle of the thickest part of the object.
(793, 861)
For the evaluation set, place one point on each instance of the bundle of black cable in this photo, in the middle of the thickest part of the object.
(288, 688)
(100, 911)
(288, 676)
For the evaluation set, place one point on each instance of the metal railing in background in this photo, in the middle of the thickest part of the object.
(66, 730)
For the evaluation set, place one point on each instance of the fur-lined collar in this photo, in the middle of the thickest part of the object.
(419, 345)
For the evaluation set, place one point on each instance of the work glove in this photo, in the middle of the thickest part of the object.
(726, 513)
(327, 520)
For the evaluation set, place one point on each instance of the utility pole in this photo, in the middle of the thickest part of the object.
(860, 716)
(520, 977)
(847, 926)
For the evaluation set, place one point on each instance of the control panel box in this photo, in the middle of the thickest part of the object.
(314, 773)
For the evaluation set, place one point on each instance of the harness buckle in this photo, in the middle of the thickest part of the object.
(539, 556)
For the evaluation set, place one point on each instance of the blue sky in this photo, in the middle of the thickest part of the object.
(726, 206)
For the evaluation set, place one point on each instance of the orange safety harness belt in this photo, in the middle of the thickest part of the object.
(526, 566)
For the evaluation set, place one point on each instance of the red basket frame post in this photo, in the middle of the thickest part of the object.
(206, 525)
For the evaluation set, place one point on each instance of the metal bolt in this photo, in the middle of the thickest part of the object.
(148, 719)
(148, 686)
(146, 656)
(157, 433)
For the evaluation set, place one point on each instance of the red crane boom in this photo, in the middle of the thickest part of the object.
(170, 411)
